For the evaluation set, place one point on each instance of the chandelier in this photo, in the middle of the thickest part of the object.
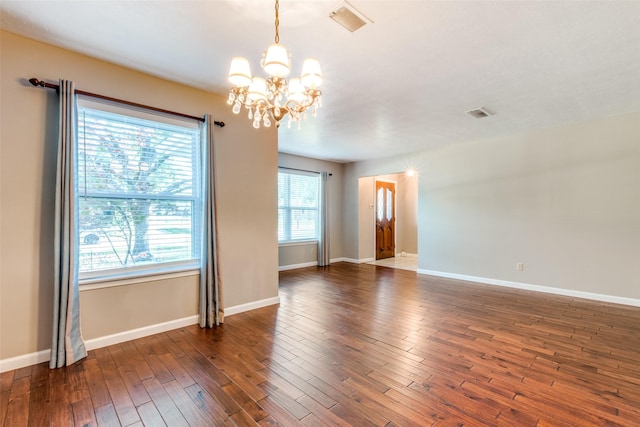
(272, 98)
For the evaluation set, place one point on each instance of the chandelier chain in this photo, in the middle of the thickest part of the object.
(277, 21)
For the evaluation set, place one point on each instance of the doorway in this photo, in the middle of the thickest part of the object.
(385, 219)
(405, 213)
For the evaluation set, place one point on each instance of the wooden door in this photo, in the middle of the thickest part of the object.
(385, 219)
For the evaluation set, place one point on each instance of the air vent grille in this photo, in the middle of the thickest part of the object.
(479, 113)
(349, 17)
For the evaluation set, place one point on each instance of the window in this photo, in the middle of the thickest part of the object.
(139, 190)
(298, 206)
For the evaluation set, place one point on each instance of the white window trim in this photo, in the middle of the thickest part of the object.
(298, 242)
(143, 278)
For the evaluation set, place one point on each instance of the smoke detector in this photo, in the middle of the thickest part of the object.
(349, 17)
(479, 113)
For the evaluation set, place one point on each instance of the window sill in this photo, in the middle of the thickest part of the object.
(298, 243)
(138, 277)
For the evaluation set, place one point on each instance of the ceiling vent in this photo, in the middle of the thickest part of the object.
(479, 113)
(349, 17)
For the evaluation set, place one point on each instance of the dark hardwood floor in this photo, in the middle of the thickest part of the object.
(359, 345)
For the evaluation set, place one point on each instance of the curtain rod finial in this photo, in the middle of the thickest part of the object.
(36, 82)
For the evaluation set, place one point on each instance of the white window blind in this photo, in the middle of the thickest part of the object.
(298, 206)
(139, 190)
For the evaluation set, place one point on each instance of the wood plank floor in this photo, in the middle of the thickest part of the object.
(358, 345)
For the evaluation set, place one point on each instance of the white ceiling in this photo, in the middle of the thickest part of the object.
(398, 85)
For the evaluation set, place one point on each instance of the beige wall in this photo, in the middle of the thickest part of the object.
(111, 310)
(563, 201)
(244, 157)
(306, 253)
(408, 211)
(366, 237)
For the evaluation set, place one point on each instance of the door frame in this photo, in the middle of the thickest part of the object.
(395, 214)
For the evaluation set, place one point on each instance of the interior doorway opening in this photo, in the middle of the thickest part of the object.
(401, 206)
(385, 203)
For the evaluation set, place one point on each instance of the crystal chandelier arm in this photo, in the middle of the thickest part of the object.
(284, 110)
(311, 98)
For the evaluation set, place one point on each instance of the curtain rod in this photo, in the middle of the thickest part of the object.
(300, 170)
(40, 83)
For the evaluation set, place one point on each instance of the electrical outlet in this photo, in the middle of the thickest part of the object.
(520, 266)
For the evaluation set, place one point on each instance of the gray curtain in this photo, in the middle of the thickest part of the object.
(211, 311)
(323, 241)
(67, 345)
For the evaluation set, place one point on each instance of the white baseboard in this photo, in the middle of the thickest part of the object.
(145, 331)
(537, 288)
(29, 359)
(353, 260)
(294, 266)
(44, 355)
(25, 360)
(331, 261)
(399, 254)
(236, 309)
